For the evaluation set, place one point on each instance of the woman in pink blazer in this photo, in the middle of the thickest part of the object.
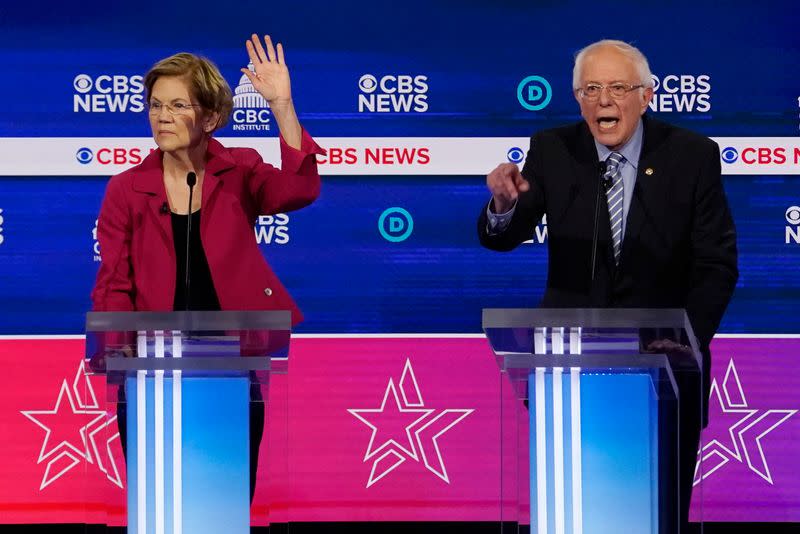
(142, 227)
(142, 223)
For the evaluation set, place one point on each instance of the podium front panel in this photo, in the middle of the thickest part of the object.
(190, 410)
(597, 425)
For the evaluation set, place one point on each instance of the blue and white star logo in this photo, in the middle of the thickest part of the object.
(739, 437)
(404, 429)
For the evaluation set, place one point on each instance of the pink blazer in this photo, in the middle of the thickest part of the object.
(138, 256)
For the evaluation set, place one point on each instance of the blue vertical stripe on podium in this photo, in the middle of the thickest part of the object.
(615, 440)
(214, 456)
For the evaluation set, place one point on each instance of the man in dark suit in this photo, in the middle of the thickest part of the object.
(665, 236)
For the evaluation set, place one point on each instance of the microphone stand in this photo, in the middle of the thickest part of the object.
(191, 180)
(602, 171)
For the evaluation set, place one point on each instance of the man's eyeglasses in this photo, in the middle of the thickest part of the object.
(618, 91)
(178, 108)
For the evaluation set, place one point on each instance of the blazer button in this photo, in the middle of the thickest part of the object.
(268, 291)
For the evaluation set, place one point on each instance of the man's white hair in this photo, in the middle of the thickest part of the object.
(642, 67)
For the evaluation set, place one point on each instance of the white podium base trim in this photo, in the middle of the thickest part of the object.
(141, 439)
(577, 486)
(177, 449)
(541, 454)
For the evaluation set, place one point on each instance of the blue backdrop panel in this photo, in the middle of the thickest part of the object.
(348, 278)
(473, 54)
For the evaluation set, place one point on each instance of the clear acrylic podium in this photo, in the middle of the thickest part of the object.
(601, 397)
(183, 386)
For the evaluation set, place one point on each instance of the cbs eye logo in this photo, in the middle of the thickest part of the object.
(515, 154)
(793, 215)
(84, 155)
(83, 83)
(368, 83)
(729, 155)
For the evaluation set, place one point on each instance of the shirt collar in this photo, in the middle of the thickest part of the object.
(629, 150)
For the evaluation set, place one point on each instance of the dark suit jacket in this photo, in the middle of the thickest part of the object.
(679, 249)
(136, 243)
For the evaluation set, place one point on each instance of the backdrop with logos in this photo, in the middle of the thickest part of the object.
(414, 104)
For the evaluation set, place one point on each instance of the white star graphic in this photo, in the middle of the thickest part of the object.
(87, 449)
(744, 444)
(423, 422)
(410, 451)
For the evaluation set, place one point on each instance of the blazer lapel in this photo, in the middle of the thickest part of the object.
(651, 184)
(219, 162)
(150, 181)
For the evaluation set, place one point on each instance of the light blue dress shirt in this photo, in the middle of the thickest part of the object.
(628, 168)
(498, 222)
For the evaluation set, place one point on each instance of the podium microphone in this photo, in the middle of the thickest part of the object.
(191, 180)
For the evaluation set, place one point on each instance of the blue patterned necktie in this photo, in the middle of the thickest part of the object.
(614, 195)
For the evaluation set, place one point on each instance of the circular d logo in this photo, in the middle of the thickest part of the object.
(395, 224)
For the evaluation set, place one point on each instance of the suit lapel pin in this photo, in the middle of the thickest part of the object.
(649, 171)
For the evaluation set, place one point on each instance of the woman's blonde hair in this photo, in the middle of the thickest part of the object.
(205, 82)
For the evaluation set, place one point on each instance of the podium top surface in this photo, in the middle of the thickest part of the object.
(198, 341)
(606, 337)
(188, 321)
(585, 317)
